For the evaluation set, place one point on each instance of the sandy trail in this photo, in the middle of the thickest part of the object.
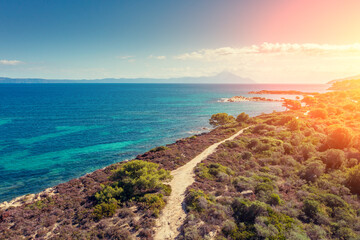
(173, 215)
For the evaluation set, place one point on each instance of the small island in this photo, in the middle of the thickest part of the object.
(289, 92)
(249, 99)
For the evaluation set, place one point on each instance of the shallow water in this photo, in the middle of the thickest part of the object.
(50, 133)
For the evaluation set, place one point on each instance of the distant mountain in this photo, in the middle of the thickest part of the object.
(224, 77)
(356, 77)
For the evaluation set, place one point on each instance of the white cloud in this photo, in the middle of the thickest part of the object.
(10, 62)
(157, 57)
(311, 49)
(126, 57)
(278, 62)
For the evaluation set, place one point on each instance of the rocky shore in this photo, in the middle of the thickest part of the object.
(288, 92)
(248, 99)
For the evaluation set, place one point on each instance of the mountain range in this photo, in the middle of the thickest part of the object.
(223, 77)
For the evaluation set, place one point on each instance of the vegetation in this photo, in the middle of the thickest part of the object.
(220, 119)
(290, 175)
(294, 175)
(242, 117)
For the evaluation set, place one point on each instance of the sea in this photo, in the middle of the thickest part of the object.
(51, 133)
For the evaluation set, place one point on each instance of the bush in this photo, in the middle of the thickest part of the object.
(158, 149)
(220, 119)
(105, 209)
(339, 137)
(274, 199)
(318, 113)
(333, 158)
(261, 128)
(243, 183)
(229, 228)
(108, 194)
(306, 150)
(294, 124)
(313, 170)
(253, 143)
(308, 100)
(231, 144)
(246, 155)
(154, 202)
(139, 177)
(353, 179)
(288, 148)
(311, 208)
(291, 104)
(247, 211)
(242, 117)
(265, 187)
(213, 170)
(197, 200)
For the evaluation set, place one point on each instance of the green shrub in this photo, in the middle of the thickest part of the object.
(306, 150)
(213, 170)
(247, 211)
(253, 143)
(242, 183)
(231, 144)
(166, 189)
(229, 228)
(261, 128)
(197, 200)
(288, 148)
(313, 169)
(318, 113)
(105, 209)
(339, 137)
(311, 208)
(220, 119)
(158, 149)
(139, 177)
(246, 155)
(334, 158)
(154, 202)
(242, 117)
(109, 193)
(274, 199)
(353, 179)
(294, 124)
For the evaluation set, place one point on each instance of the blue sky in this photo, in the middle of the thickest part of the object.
(98, 39)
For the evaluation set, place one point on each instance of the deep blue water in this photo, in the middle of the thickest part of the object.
(50, 133)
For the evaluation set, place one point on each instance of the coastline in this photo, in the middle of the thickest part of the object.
(51, 191)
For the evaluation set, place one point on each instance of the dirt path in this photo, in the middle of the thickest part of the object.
(173, 215)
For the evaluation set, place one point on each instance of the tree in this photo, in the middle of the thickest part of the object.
(339, 137)
(242, 117)
(294, 124)
(334, 158)
(308, 100)
(220, 119)
(318, 113)
(291, 104)
(313, 170)
(353, 179)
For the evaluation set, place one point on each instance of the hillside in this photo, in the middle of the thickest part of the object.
(288, 175)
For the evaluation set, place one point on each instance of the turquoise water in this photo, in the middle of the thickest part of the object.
(50, 133)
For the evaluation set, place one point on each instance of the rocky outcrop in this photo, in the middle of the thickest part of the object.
(248, 99)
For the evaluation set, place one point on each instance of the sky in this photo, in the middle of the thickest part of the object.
(269, 41)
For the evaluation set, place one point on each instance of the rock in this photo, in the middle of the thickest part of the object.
(247, 193)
